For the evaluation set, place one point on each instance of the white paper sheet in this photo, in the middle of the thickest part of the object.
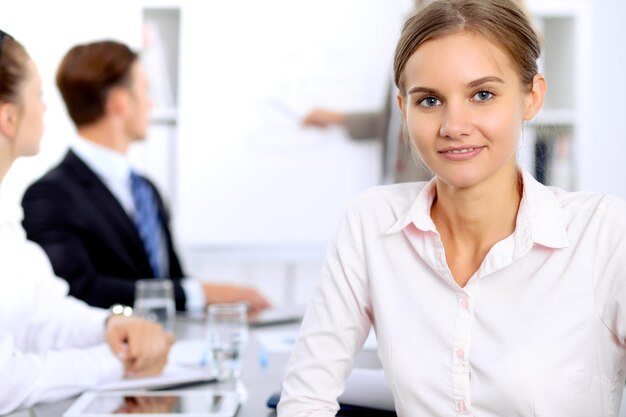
(367, 388)
(183, 367)
(279, 315)
(190, 353)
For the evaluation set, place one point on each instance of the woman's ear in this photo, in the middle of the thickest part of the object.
(534, 99)
(9, 118)
(400, 103)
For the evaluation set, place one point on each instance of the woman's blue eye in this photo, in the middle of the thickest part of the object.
(483, 95)
(429, 102)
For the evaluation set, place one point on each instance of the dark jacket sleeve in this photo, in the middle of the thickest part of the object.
(367, 125)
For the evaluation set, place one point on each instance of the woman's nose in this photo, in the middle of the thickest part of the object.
(456, 121)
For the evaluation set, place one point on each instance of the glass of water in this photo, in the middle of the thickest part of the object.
(226, 335)
(154, 300)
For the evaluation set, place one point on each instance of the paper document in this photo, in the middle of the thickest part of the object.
(284, 340)
(367, 388)
(190, 353)
(183, 367)
(279, 315)
(269, 317)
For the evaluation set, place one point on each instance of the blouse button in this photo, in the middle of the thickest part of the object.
(465, 303)
(460, 353)
(460, 406)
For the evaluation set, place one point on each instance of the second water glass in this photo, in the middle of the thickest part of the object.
(227, 335)
(154, 300)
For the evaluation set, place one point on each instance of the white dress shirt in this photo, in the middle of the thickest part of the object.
(51, 345)
(114, 169)
(538, 330)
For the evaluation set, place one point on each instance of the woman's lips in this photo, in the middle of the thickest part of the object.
(464, 153)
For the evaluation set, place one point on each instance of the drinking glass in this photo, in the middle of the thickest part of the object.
(154, 300)
(226, 336)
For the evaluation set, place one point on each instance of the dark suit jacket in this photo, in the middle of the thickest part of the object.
(88, 236)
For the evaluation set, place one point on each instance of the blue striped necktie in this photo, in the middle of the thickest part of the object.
(147, 220)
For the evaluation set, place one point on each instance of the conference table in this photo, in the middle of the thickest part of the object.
(261, 376)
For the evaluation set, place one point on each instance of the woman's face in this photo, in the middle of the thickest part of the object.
(464, 108)
(30, 109)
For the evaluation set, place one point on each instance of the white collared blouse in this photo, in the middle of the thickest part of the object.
(51, 345)
(538, 330)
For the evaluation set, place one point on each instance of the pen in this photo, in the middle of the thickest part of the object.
(186, 384)
(204, 359)
(284, 109)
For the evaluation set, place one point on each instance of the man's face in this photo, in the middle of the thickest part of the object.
(140, 104)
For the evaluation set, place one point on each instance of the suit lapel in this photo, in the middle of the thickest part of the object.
(111, 210)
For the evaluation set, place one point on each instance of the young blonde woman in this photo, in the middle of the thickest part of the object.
(51, 346)
(490, 294)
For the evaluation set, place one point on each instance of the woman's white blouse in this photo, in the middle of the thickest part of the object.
(538, 330)
(51, 345)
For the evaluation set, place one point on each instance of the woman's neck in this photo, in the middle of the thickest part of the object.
(481, 211)
(6, 158)
(470, 221)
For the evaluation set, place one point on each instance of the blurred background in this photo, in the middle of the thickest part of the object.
(254, 195)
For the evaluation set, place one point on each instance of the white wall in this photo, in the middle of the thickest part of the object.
(48, 30)
(249, 173)
(602, 163)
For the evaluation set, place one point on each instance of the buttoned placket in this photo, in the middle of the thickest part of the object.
(461, 371)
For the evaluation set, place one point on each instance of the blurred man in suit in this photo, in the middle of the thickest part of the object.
(103, 225)
(399, 163)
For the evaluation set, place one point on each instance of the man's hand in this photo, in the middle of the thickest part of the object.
(140, 344)
(215, 293)
(323, 118)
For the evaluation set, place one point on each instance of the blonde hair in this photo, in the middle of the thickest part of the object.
(500, 21)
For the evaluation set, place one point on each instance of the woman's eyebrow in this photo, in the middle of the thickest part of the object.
(426, 90)
(483, 80)
(470, 85)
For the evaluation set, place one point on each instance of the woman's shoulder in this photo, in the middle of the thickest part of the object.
(589, 201)
(394, 195)
(382, 206)
(605, 212)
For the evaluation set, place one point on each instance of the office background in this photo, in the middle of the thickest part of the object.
(254, 196)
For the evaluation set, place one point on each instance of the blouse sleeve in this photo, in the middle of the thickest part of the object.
(54, 320)
(333, 331)
(51, 345)
(609, 265)
(29, 378)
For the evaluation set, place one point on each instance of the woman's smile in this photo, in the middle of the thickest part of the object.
(461, 153)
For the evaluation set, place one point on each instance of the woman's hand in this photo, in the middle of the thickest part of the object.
(140, 344)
